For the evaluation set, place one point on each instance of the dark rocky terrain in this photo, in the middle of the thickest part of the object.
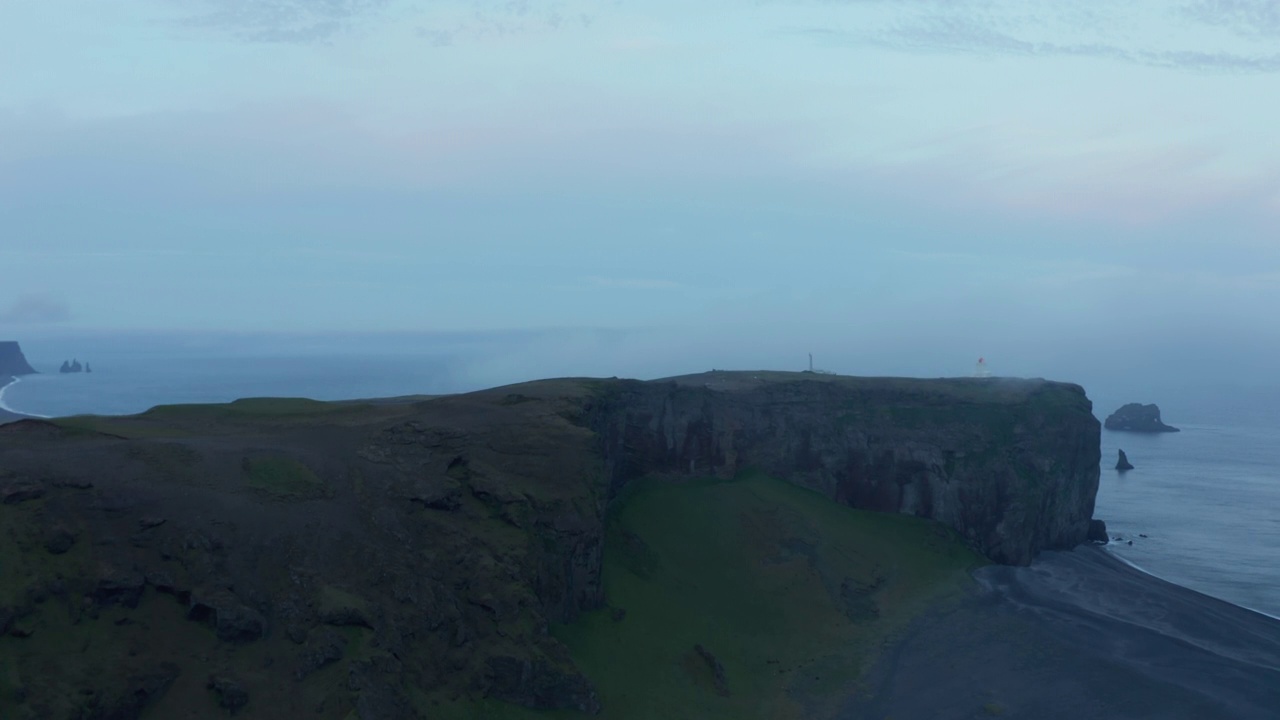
(285, 557)
(1136, 417)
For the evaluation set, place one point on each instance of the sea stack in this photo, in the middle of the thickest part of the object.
(1136, 417)
(1123, 463)
(12, 361)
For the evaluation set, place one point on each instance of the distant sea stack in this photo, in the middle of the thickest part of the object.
(1136, 417)
(72, 366)
(12, 361)
(1123, 463)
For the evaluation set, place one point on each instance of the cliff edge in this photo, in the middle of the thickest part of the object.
(292, 557)
(12, 361)
(1011, 464)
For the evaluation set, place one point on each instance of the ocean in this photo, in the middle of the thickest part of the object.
(1201, 506)
(1200, 509)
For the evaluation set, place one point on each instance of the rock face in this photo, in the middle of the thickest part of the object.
(374, 549)
(1011, 464)
(12, 361)
(1123, 463)
(1098, 532)
(1136, 417)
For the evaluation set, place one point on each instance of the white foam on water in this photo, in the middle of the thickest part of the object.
(1145, 571)
(4, 406)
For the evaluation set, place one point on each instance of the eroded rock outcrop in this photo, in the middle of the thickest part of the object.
(1011, 464)
(1122, 463)
(1136, 417)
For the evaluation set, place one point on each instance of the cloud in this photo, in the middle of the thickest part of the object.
(283, 21)
(35, 310)
(1037, 29)
(632, 283)
(450, 22)
(441, 22)
(1251, 18)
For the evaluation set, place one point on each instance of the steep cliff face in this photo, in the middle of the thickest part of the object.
(12, 361)
(1011, 464)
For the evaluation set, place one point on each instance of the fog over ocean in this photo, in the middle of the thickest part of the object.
(1206, 498)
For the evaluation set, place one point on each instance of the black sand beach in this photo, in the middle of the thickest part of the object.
(1079, 634)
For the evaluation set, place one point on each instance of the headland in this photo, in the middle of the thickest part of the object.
(729, 544)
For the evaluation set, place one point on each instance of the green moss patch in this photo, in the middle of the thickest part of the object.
(283, 478)
(792, 594)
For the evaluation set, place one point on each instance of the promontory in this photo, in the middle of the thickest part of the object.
(12, 361)
(723, 545)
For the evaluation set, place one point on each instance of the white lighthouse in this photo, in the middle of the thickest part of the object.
(982, 371)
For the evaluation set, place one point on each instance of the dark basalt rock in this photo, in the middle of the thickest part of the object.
(128, 701)
(230, 692)
(346, 617)
(324, 648)
(1098, 532)
(1123, 463)
(380, 698)
(717, 670)
(19, 491)
(232, 620)
(540, 684)
(1136, 417)
(58, 539)
(119, 585)
(437, 493)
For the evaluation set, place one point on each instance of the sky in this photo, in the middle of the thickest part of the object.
(900, 185)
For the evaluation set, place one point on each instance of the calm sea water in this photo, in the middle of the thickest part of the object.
(1207, 499)
(132, 374)
(135, 386)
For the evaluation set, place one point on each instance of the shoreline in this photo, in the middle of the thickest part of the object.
(1079, 633)
(1110, 553)
(8, 414)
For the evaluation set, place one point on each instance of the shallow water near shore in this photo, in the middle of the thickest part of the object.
(1207, 499)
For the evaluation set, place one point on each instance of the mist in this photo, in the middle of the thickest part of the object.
(565, 185)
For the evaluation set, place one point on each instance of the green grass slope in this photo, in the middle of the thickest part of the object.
(791, 594)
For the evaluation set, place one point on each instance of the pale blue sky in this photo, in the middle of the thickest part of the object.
(979, 174)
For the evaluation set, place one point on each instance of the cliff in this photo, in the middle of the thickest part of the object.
(12, 361)
(324, 558)
(1136, 417)
(1011, 464)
